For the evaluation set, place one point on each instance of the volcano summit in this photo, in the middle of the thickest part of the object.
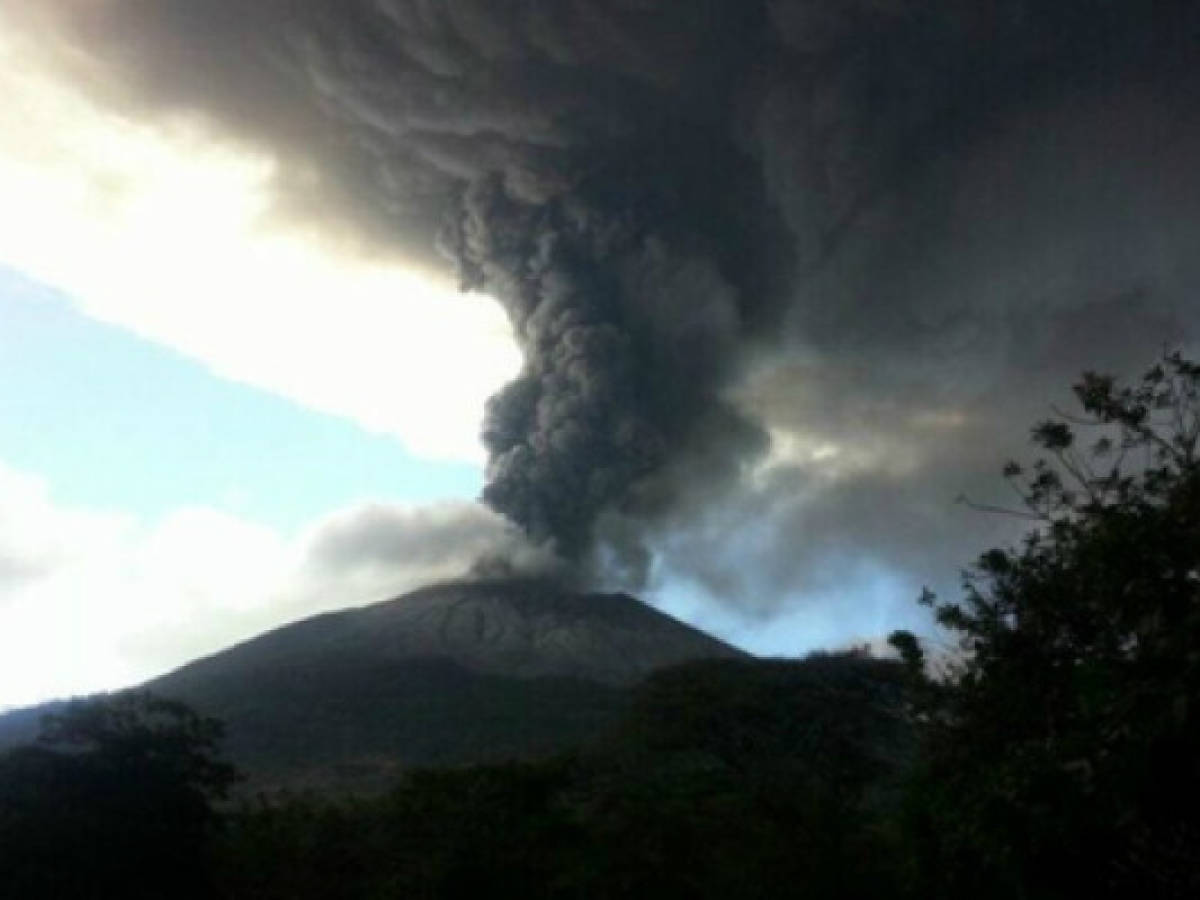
(453, 673)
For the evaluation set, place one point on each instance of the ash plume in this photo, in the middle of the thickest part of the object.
(861, 225)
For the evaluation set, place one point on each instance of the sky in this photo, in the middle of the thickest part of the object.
(756, 294)
(176, 444)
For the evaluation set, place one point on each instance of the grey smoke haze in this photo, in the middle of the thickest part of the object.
(787, 276)
(441, 541)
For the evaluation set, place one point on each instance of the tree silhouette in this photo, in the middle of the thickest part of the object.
(1064, 744)
(114, 800)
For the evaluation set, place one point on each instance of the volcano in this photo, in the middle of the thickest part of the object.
(452, 674)
(519, 629)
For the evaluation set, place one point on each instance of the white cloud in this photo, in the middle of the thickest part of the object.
(166, 230)
(94, 599)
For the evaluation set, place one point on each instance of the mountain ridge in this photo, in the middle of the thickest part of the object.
(519, 628)
(454, 673)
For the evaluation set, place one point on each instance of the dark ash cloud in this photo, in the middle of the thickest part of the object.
(886, 231)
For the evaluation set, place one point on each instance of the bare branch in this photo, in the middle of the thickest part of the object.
(1000, 510)
(1076, 419)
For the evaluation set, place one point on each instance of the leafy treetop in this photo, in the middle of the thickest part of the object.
(1068, 731)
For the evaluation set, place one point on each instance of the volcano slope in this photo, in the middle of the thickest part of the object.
(457, 673)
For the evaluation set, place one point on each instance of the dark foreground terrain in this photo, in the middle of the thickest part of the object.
(725, 777)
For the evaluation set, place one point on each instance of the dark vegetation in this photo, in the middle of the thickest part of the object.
(360, 722)
(1051, 754)
(1062, 753)
(699, 794)
(114, 800)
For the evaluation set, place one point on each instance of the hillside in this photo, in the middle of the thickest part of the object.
(456, 673)
(513, 628)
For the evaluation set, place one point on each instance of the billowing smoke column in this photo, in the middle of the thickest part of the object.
(600, 195)
(629, 298)
(641, 184)
(657, 191)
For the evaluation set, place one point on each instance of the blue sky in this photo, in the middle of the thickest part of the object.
(114, 421)
(152, 510)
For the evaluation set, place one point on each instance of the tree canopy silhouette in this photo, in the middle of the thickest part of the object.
(1063, 745)
(114, 800)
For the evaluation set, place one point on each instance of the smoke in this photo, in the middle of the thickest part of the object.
(601, 198)
(805, 264)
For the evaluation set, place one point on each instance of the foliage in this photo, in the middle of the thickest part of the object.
(728, 778)
(162, 738)
(1060, 751)
(776, 767)
(353, 724)
(114, 800)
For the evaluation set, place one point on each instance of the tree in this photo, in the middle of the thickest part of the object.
(115, 799)
(1064, 748)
